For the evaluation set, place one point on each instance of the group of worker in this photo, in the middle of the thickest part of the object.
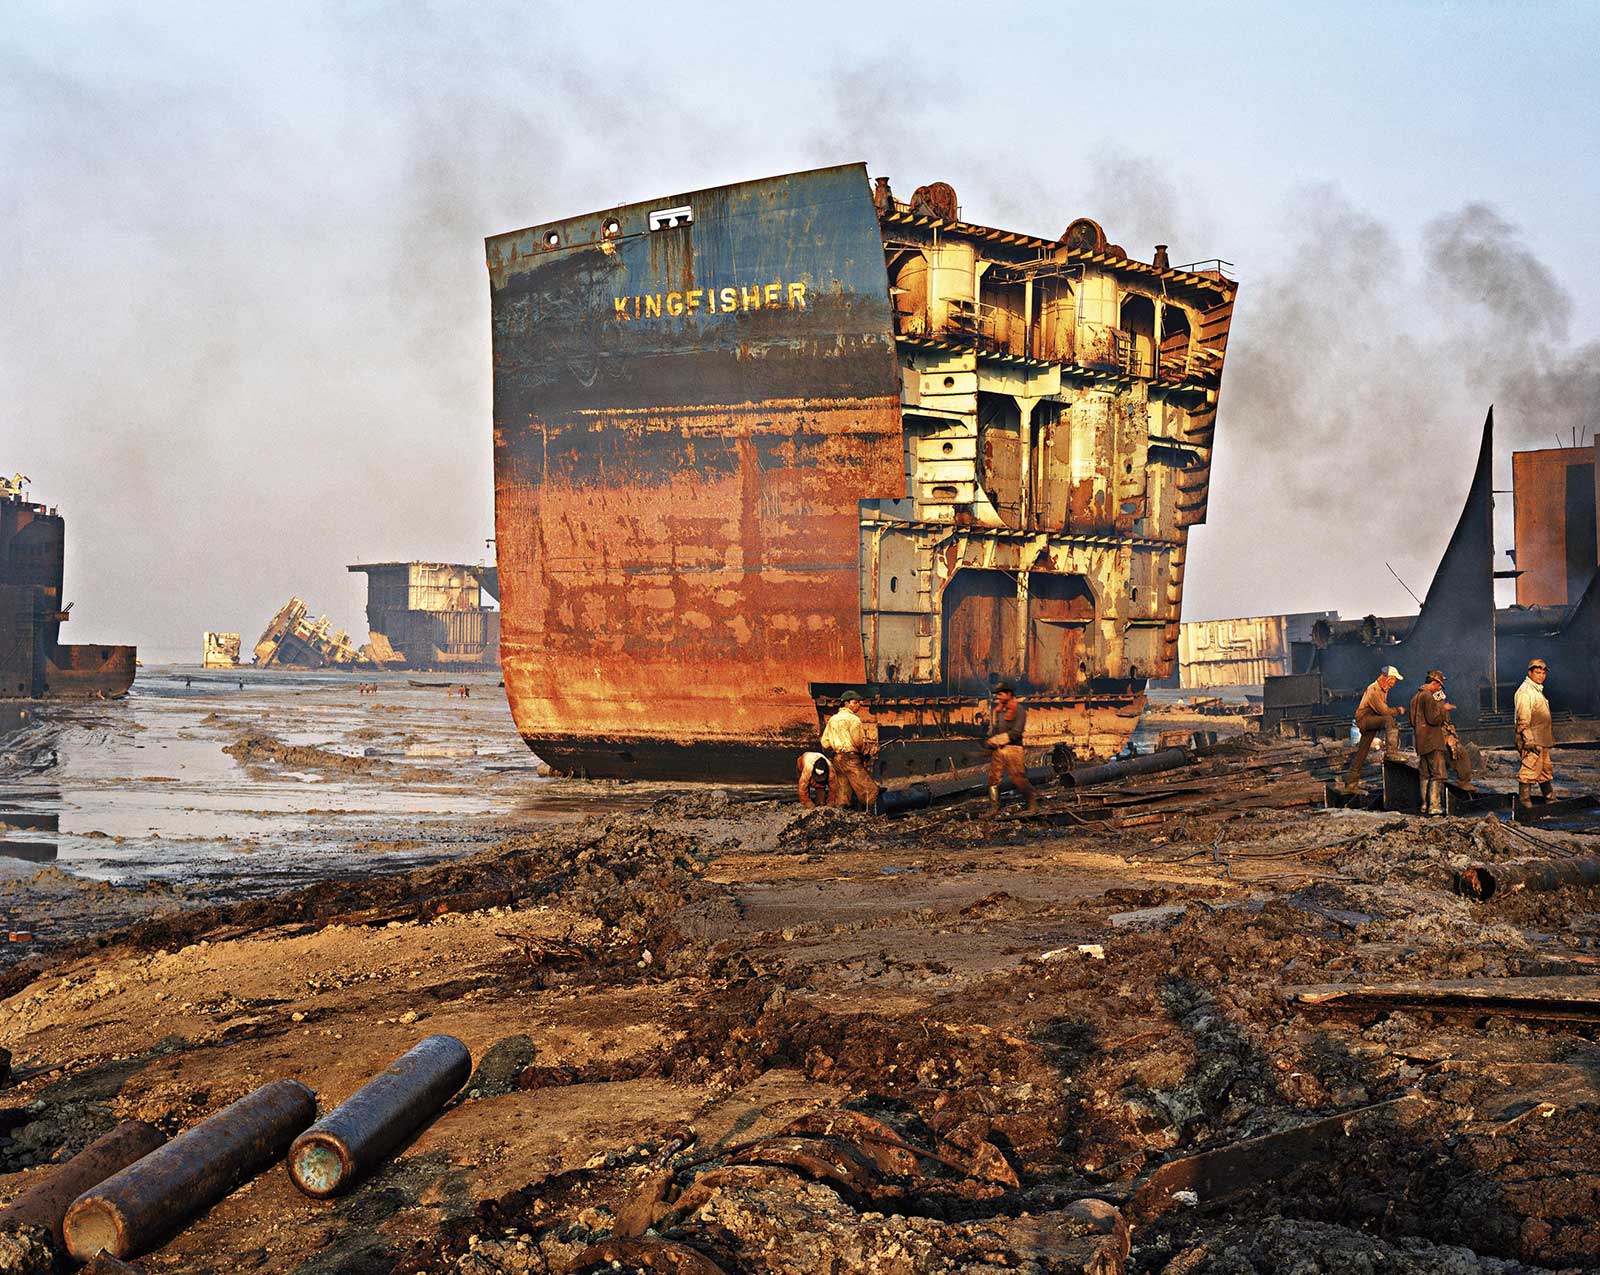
(1438, 743)
(844, 763)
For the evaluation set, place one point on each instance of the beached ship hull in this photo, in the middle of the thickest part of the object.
(743, 459)
(34, 663)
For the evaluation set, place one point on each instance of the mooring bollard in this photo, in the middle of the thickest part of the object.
(354, 1137)
(131, 1209)
(46, 1204)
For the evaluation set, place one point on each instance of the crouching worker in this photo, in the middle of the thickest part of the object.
(813, 773)
(844, 740)
(1005, 748)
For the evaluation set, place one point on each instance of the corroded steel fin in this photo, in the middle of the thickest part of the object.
(1455, 630)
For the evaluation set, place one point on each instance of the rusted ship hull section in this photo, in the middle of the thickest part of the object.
(34, 662)
(789, 440)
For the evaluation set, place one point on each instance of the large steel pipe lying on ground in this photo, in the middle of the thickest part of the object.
(1485, 880)
(132, 1209)
(46, 1204)
(350, 1140)
(922, 793)
(1149, 764)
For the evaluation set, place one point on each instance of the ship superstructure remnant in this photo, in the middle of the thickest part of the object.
(758, 444)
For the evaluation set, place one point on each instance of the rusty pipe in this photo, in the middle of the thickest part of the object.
(46, 1204)
(355, 1137)
(131, 1209)
(1148, 764)
(1484, 880)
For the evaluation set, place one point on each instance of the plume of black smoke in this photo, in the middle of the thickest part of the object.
(1358, 374)
(1511, 321)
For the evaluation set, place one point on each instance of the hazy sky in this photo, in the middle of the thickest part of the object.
(244, 310)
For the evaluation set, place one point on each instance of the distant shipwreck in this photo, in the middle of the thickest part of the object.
(420, 615)
(759, 443)
(34, 663)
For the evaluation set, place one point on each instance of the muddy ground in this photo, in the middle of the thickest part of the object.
(725, 1034)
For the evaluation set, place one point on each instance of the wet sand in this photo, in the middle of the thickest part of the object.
(196, 789)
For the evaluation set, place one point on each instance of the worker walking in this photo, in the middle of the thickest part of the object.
(1430, 713)
(1005, 748)
(844, 740)
(1374, 717)
(1534, 735)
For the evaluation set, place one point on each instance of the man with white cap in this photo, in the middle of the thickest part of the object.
(1374, 716)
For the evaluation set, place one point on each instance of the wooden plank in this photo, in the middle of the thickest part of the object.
(1564, 998)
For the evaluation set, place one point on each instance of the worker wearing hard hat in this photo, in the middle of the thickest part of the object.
(1534, 735)
(1430, 713)
(844, 740)
(1375, 717)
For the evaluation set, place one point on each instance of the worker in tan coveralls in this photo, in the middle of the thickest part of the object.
(844, 740)
(1430, 714)
(1005, 748)
(1375, 717)
(1534, 735)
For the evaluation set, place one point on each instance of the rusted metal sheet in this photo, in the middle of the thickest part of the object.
(1553, 494)
(759, 441)
(354, 1137)
(1258, 1166)
(1483, 651)
(134, 1208)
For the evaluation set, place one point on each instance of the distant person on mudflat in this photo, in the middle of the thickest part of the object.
(1535, 735)
(1005, 748)
(844, 740)
(1374, 717)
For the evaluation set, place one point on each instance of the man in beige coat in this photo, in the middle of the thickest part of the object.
(845, 741)
(1375, 717)
(1535, 738)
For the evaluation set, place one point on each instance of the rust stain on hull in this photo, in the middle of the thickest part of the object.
(697, 599)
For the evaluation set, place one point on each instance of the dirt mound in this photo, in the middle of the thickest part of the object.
(257, 749)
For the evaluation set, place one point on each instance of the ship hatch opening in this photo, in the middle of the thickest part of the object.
(1061, 611)
(1175, 332)
(1139, 325)
(980, 630)
(1000, 454)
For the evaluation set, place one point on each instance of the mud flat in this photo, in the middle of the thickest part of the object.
(723, 1034)
(207, 786)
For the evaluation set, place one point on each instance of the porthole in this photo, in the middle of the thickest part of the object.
(552, 239)
(611, 229)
